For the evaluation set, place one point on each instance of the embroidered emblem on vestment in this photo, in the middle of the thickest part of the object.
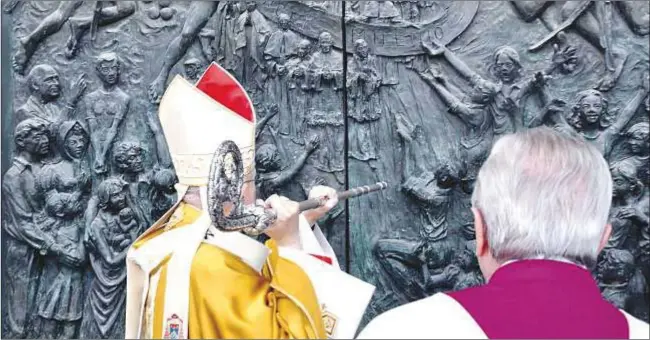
(173, 327)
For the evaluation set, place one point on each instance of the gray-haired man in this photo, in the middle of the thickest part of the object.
(540, 204)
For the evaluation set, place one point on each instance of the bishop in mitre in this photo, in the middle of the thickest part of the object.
(186, 278)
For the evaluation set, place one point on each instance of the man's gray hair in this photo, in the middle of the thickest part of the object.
(544, 194)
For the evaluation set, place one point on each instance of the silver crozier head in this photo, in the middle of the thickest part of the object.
(226, 206)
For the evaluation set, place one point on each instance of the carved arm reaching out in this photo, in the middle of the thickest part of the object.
(79, 87)
(456, 106)
(288, 174)
(100, 163)
(405, 130)
(465, 71)
(164, 159)
(262, 123)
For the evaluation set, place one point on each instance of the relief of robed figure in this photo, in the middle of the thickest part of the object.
(281, 46)
(107, 239)
(65, 185)
(325, 117)
(365, 109)
(299, 79)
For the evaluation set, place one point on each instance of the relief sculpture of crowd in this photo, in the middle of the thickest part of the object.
(346, 93)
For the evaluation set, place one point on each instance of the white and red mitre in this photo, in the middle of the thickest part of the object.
(197, 119)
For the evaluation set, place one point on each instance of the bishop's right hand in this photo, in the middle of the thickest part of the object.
(330, 200)
(285, 228)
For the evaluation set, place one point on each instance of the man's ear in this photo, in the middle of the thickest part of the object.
(20, 141)
(34, 86)
(605, 237)
(482, 247)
